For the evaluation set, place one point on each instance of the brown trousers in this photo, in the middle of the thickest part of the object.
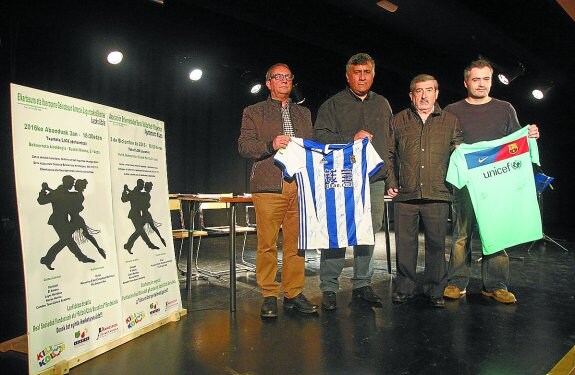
(275, 211)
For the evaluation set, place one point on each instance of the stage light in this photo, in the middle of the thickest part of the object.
(256, 88)
(196, 74)
(250, 81)
(115, 57)
(297, 94)
(506, 76)
(542, 90)
(538, 94)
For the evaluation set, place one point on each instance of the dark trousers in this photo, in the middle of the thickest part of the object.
(434, 216)
(138, 232)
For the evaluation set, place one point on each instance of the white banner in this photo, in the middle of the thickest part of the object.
(146, 263)
(83, 288)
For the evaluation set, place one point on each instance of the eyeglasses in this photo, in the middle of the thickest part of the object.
(280, 77)
(428, 91)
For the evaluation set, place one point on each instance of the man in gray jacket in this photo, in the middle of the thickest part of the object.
(422, 138)
(266, 127)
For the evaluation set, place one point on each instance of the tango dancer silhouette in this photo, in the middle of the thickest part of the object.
(61, 201)
(146, 215)
(78, 223)
(137, 200)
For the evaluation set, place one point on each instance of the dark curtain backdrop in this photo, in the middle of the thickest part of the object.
(60, 46)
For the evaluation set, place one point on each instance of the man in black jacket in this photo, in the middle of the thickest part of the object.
(422, 138)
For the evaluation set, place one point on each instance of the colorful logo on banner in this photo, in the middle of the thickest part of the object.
(154, 309)
(134, 319)
(49, 353)
(107, 330)
(81, 337)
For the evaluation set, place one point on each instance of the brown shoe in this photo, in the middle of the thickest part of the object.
(453, 292)
(501, 295)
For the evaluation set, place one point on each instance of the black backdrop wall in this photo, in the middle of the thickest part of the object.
(60, 46)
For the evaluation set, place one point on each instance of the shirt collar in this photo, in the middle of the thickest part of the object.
(370, 94)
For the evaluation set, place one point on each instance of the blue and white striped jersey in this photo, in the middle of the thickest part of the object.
(333, 190)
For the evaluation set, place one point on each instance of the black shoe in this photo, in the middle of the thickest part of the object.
(367, 294)
(128, 248)
(437, 301)
(45, 262)
(153, 247)
(269, 308)
(329, 301)
(400, 298)
(301, 304)
(85, 259)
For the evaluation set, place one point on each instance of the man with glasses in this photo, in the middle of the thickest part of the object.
(268, 126)
(352, 114)
(422, 138)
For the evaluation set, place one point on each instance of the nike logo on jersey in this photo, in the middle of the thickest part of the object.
(481, 160)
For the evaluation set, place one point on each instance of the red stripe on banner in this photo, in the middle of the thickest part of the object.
(512, 149)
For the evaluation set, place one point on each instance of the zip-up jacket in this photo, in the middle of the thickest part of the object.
(420, 153)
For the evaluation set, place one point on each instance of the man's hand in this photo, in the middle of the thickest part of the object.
(533, 131)
(392, 192)
(281, 141)
(361, 135)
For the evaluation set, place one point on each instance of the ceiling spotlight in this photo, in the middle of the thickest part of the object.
(115, 57)
(503, 78)
(297, 94)
(250, 81)
(506, 76)
(540, 92)
(256, 88)
(196, 74)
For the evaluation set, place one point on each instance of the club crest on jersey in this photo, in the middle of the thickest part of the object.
(512, 148)
(352, 158)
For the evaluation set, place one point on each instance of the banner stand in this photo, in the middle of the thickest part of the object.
(20, 344)
(93, 179)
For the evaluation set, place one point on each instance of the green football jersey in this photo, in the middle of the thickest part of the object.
(499, 177)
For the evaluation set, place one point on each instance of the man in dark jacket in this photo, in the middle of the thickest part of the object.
(422, 138)
(266, 127)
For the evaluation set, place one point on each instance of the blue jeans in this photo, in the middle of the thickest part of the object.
(332, 261)
(494, 267)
